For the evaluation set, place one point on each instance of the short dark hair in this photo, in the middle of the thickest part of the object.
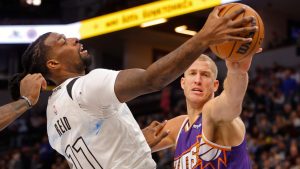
(33, 61)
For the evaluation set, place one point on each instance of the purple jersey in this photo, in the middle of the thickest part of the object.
(194, 151)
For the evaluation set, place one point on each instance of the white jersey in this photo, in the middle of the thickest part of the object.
(94, 130)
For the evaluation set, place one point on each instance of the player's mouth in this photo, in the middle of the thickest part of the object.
(82, 51)
(197, 90)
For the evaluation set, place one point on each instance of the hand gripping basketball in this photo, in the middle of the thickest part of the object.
(237, 50)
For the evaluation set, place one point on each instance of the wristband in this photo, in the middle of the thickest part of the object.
(27, 100)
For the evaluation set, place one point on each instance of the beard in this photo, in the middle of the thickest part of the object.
(86, 62)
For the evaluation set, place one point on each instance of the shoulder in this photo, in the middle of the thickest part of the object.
(100, 72)
(174, 125)
(178, 119)
(100, 75)
(176, 122)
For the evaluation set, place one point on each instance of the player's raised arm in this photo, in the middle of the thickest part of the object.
(135, 82)
(228, 105)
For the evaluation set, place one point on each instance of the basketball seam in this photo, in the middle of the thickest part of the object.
(224, 15)
(231, 50)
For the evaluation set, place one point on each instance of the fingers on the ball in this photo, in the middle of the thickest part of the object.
(235, 14)
(242, 31)
(217, 10)
(237, 38)
(241, 22)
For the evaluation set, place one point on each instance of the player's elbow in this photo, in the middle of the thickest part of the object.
(236, 111)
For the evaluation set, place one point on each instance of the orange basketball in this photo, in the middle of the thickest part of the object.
(234, 50)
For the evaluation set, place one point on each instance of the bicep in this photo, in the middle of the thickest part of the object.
(131, 83)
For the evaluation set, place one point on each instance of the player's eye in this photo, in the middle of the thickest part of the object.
(192, 73)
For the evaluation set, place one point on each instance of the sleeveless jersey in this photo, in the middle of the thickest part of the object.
(194, 151)
(93, 130)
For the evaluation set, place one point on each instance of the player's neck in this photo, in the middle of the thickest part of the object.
(193, 112)
(59, 79)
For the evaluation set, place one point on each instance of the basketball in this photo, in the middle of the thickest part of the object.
(235, 50)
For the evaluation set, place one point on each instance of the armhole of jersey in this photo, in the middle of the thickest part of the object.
(70, 86)
(182, 125)
(221, 146)
(214, 145)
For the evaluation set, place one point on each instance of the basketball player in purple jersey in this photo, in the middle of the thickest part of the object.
(211, 135)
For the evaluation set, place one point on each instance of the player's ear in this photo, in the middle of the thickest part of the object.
(52, 64)
(182, 81)
(216, 85)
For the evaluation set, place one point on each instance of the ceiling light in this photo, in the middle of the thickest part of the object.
(34, 2)
(183, 30)
(29, 2)
(154, 22)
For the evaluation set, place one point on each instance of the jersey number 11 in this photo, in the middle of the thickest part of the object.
(74, 151)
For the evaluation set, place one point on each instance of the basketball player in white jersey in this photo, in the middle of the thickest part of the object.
(30, 91)
(88, 121)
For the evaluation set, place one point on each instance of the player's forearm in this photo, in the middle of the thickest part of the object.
(11, 111)
(235, 86)
(170, 67)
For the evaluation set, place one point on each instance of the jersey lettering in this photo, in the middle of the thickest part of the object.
(62, 125)
(188, 160)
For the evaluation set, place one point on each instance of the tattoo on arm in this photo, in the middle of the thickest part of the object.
(11, 111)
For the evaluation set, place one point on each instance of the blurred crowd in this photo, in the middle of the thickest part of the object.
(271, 113)
(272, 117)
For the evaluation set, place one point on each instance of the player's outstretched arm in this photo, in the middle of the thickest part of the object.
(30, 90)
(135, 82)
(228, 105)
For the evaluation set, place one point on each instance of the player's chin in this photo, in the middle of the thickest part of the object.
(86, 59)
(197, 99)
(85, 56)
(197, 95)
